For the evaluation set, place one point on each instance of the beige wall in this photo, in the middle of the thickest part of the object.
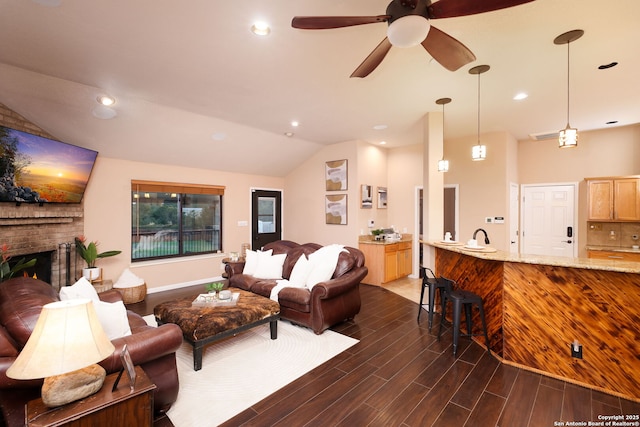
(405, 176)
(304, 205)
(483, 185)
(107, 204)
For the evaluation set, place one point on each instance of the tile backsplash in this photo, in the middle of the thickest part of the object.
(613, 234)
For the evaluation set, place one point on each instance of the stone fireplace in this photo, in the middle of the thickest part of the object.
(47, 231)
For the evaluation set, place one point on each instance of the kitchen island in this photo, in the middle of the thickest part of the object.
(536, 306)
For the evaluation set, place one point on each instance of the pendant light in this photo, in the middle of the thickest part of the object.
(568, 136)
(479, 151)
(443, 165)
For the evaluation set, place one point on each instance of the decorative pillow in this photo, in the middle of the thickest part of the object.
(82, 289)
(324, 262)
(113, 318)
(269, 267)
(251, 261)
(301, 271)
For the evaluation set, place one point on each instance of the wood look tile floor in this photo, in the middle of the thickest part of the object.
(399, 374)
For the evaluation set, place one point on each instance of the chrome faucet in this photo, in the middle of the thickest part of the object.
(486, 236)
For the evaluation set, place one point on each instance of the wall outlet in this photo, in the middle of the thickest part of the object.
(371, 223)
(576, 350)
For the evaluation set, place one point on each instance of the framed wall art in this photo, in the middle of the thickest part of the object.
(366, 196)
(382, 197)
(336, 175)
(336, 209)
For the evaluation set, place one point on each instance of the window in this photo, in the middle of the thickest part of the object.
(171, 220)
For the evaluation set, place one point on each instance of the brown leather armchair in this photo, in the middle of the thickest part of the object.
(22, 299)
(327, 304)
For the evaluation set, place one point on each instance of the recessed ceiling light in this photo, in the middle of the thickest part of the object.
(289, 134)
(380, 127)
(520, 96)
(219, 136)
(606, 66)
(611, 122)
(383, 142)
(106, 100)
(295, 124)
(260, 28)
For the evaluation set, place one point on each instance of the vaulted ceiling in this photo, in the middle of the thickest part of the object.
(195, 87)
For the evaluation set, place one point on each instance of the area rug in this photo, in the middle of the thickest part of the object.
(241, 371)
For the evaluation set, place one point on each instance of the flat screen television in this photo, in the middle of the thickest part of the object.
(34, 169)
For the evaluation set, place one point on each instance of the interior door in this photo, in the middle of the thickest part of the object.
(266, 217)
(548, 220)
(514, 208)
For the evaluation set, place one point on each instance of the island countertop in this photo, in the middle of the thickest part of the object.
(585, 263)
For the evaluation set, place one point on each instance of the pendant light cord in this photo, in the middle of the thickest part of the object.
(479, 108)
(568, 72)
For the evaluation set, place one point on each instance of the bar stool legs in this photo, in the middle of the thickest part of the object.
(433, 284)
(463, 299)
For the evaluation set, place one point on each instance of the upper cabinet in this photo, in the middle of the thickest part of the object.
(613, 199)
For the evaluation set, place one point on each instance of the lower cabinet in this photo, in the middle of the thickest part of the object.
(386, 262)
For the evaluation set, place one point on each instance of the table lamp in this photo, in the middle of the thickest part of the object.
(64, 347)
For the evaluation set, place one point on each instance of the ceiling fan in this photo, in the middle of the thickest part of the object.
(409, 26)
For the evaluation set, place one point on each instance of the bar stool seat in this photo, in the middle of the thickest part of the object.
(462, 299)
(434, 284)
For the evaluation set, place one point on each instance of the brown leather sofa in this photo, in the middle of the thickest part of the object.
(327, 304)
(22, 299)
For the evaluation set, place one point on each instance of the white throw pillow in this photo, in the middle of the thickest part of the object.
(269, 267)
(113, 318)
(300, 272)
(82, 289)
(324, 262)
(252, 259)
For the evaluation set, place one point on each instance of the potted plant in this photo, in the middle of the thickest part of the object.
(214, 288)
(7, 272)
(90, 254)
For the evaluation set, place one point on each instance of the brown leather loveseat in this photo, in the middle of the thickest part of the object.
(326, 304)
(22, 299)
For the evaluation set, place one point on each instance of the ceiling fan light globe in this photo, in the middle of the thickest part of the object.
(408, 31)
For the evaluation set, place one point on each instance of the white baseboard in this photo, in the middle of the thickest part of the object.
(183, 284)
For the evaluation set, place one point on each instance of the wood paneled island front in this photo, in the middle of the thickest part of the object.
(537, 306)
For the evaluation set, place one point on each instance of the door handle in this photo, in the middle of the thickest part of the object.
(513, 241)
(567, 241)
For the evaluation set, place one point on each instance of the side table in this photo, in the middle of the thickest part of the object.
(122, 407)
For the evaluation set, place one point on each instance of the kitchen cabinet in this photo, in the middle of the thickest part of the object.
(615, 255)
(613, 199)
(386, 261)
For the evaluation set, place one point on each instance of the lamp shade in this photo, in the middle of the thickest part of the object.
(568, 137)
(410, 30)
(68, 336)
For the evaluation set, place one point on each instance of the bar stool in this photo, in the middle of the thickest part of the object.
(459, 299)
(433, 283)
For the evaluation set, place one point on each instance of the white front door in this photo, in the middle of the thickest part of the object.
(549, 220)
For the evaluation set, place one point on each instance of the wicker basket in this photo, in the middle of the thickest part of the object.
(133, 294)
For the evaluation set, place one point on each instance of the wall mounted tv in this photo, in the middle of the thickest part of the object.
(34, 169)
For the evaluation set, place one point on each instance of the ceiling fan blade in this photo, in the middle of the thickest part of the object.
(452, 8)
(449, 52)
(373, 60)
(326, 22)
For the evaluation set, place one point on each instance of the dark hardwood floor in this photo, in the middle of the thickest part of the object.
(399, 374)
